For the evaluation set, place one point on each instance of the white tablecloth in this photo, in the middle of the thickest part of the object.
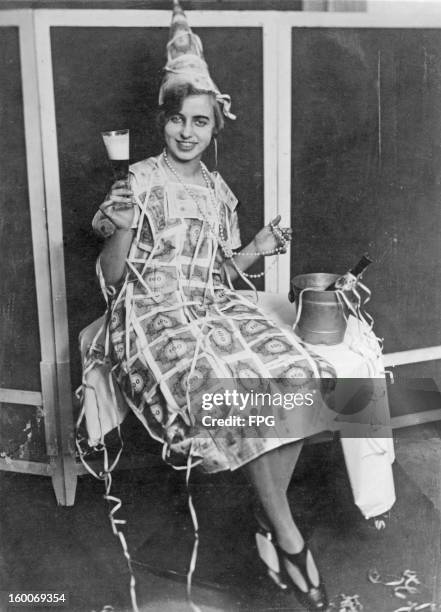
(368, 457)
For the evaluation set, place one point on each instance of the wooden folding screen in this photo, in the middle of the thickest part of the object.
(337, 129)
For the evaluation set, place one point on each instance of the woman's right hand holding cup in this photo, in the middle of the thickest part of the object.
(119, 205)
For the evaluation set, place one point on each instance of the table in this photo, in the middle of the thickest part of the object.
(369, 454)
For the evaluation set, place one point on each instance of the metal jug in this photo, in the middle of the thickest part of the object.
(322, 317)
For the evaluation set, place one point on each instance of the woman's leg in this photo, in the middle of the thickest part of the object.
(270, 475)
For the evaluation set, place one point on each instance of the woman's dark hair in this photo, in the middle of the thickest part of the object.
(174, 99)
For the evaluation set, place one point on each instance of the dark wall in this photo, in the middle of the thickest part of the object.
(366, 164)
(108, 78)
(19, 333)
(367, 169)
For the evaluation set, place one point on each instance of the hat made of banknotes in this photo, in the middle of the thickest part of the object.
(186, 63)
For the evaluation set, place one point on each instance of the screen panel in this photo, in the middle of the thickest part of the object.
(366, 169)
(19, 331)
(416, 388)
(112, 82)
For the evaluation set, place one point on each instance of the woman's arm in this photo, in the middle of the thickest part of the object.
(244, 260)
(119, 208)
(270, 240)
(114, 254)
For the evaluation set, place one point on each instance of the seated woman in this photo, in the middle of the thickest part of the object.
(177, 326)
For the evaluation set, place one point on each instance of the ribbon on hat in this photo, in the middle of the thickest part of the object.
(225, 101)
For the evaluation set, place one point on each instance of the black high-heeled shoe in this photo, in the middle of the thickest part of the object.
(272, 555)
(314, 598)
(268, 553)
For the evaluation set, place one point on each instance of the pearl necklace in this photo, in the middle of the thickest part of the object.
(276, 230)
(220, 236)
(172, 169)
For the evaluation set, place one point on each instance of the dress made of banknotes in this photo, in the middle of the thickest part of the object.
(178, 331)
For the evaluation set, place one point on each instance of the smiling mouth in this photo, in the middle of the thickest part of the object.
(186, 146)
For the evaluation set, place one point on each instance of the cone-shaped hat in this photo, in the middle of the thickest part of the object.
(186, 63)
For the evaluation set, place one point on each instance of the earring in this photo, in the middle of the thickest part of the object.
(215, 152)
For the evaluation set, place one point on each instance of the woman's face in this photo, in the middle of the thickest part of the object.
(188, 133)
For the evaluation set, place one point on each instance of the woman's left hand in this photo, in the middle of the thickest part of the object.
(271, 237)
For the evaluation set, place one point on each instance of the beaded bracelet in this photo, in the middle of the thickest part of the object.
(279, 249)
(278, 234)
(258, 275)
(260, 253)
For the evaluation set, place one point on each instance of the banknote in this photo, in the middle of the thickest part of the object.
(193, 381)
(207, 299)
(253, 328)
(156, 324)
(224, 193)
(248, 374)
(237, 307)
(160, 278)
(273, 347)
(177, 436)
(196, 276)
(164, 249)
(205, 447)
(138, 381)
(117, 317)
(326, 369)
(171, 349)
(155, 209)
(192, 238)
(294, 373)
(191, 203)
(152, 304)
(223, 339)
(146, 235)
(182, 205)
(221, 296)
(158, 410)
(118, 340)
(141, 196)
